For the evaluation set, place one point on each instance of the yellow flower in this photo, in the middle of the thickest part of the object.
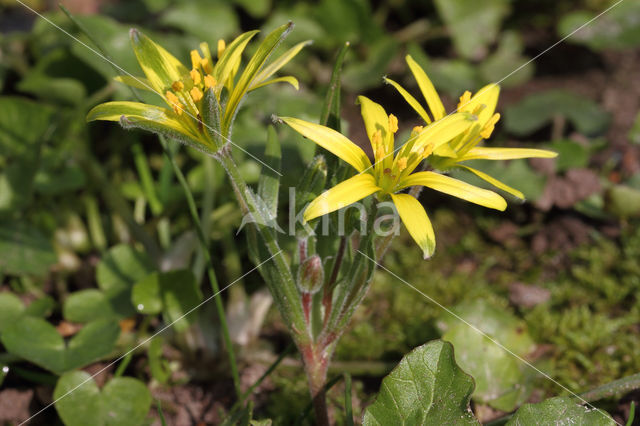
(465, 147)
(391, 174)
(185, 90)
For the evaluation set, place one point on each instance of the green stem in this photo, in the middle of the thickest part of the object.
(285, 292)
(620, 386)
(210, 272)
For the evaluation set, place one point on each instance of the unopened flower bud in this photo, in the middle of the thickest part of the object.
(310, 275)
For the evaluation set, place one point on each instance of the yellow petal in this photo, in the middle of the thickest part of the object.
(161, 117)
(375, 118)
(342, 195)
(457, 188)
(445, 150)
(285, 79)
(274, 66)
(483, 153)
(416, 221)
(442, 131)
(413, 102)
(487, 96)
(160, 66)
(332, 141)
(493, 181)
(428, 91)
(137, 82)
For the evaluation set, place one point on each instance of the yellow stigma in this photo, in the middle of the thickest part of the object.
(464, 100)
(209, 81)
(174, 101)
(402, 163)
(393, 123)
(195, 59)
(177, 86)
(195, 76)
(221, 47)
(206, 66)
(488, 128)
(196, 94)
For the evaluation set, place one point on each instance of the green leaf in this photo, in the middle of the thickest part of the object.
(452, 76)
(460, 16)
(173, 293)
(426, 388)
(86, 305)
(255, 8)
(623, 201)
(120, 268)
(507, 58)
(205, 19)
(559, 411)
(570, 154)
(634, 133)
(616, 29)
(11, 308)
(24, 250)
(502, 381)
(43, 82)
(331, 107)
(269, 182)
(23, 126)
(159, 367)
(37, 341)
(124, 401)
(537, 110)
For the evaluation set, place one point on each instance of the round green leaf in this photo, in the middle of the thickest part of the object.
(37, 341)
(11, 308)
(559, 411)
(124, 401)
(81, 402)
(87, 305)
(426, 388)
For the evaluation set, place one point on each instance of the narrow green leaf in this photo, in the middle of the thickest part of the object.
(331, 108)
(426, 388)
(269, 183)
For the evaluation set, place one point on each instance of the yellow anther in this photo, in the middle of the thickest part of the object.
(427, 150)
(209, 81)
(221, 46)
(206, 66)
(416, 130)
(196, 94)
(487, 130)
(195, 76)
(379, 154)
(402, 163)
(174, 101)
(464, 100)
(177, 86)
(393, 123)
(195, 59)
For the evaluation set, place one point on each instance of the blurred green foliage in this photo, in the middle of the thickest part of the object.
(93, 221)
